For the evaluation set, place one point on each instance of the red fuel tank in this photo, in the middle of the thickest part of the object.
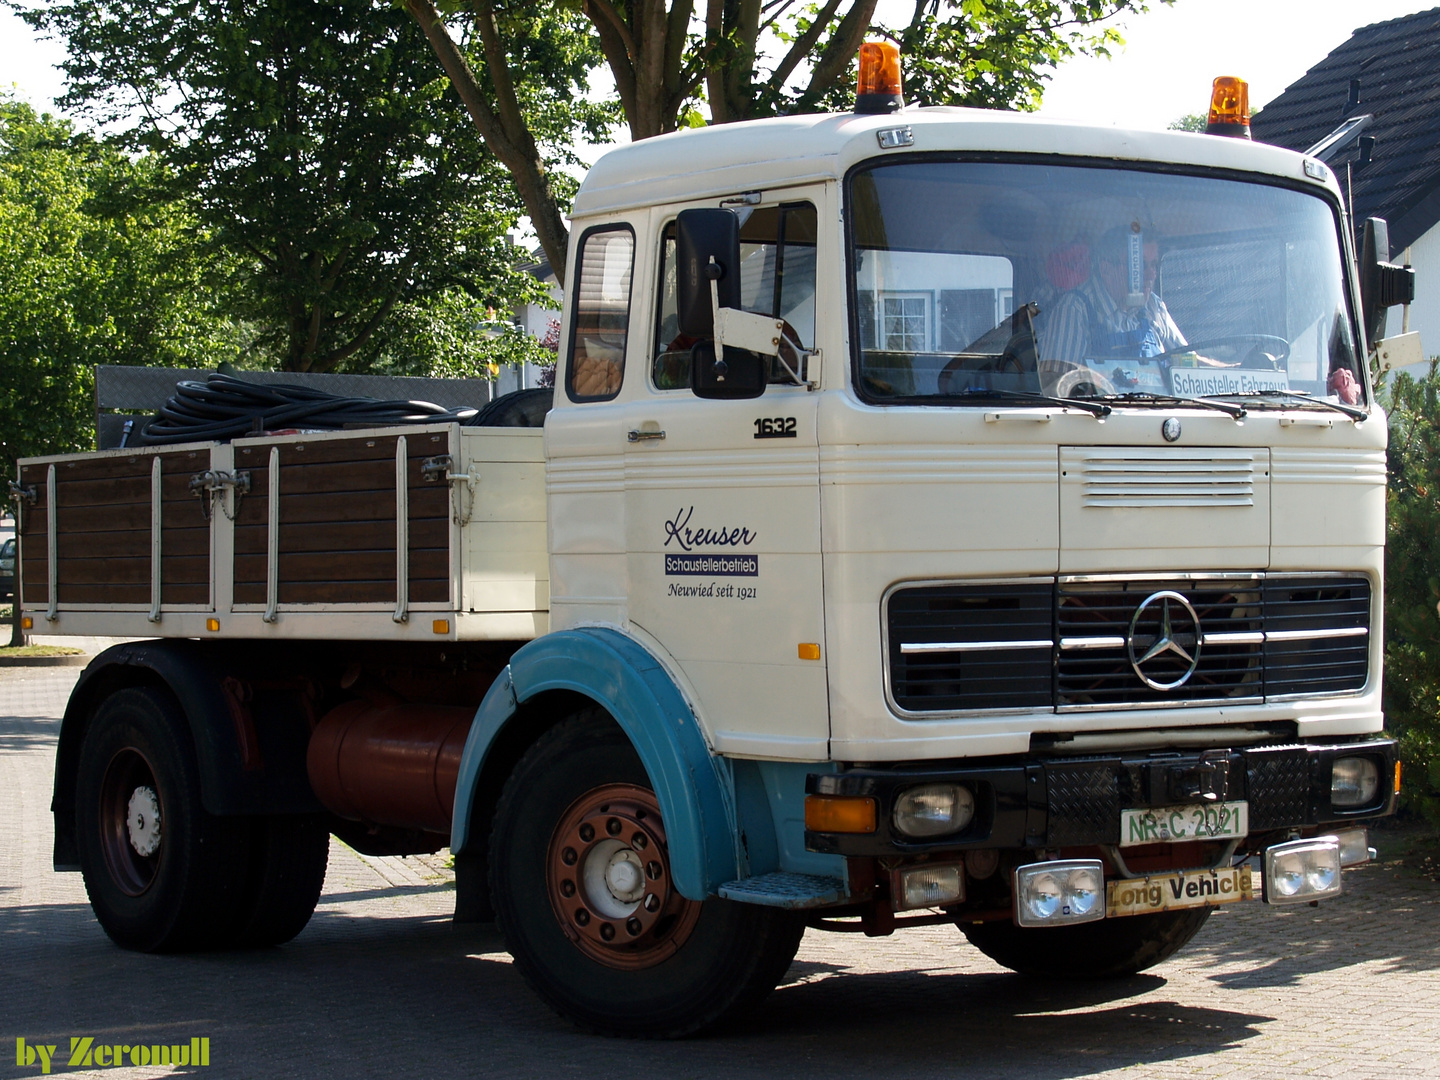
(389, 764)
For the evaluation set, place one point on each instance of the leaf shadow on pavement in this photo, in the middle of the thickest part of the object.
(1284, 945)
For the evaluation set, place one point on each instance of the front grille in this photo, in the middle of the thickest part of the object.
(1091, 673)
(1139, 478)
(956, 647)
(1068, 644)
(1299, 606)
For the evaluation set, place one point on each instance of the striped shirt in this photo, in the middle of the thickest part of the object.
(1065, 337)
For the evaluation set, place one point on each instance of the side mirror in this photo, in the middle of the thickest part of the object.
(1382, 283)
(701, 235)
(739, 374)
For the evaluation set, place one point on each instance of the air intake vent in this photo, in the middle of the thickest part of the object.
(955, 647)
(1317, 636)
(1174, 478)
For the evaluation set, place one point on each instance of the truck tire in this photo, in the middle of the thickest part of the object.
(289, 856)
(162, 874)
(610, 944)
(1108, 949)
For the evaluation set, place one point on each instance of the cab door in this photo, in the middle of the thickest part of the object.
(722, 505)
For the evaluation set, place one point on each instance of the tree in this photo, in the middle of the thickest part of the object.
(756, 58)
(1412, 582)
(319, 148)
(98, 265)
(1189, 122)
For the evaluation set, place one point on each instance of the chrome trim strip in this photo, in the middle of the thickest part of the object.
(972, 646)
(1233, 637)
(1317, 635)
(1162, 576)
(1092, 643)
(1187, 703)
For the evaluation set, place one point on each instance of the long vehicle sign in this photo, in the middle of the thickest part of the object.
(1180, 889)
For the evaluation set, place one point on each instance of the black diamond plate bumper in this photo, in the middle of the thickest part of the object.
(1050, 801)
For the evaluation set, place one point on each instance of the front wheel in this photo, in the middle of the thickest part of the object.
(1108, 949)
(581, 881)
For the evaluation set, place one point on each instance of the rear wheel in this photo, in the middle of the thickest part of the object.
(581, 881)
(289, 855)
(162, 874)
(1107, 949)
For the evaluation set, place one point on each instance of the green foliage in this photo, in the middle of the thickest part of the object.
(1412, 584)
(1189, 122)
(98, 265)
(998, 54)
(322, 149)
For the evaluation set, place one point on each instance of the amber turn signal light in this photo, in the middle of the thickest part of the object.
(27, 623)
(1229, 108)
(212, 625)
(1397, 778)
(879, 89)
(840, 813)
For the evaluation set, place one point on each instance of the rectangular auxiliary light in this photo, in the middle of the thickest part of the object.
(1302, 871)
(1059, 893)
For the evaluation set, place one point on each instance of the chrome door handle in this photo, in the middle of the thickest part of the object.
(645, 436)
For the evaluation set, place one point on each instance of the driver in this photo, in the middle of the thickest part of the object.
(1096, 319)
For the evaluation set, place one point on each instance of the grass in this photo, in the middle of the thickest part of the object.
(41, 650)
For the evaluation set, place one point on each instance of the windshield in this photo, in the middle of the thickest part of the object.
(971, 278)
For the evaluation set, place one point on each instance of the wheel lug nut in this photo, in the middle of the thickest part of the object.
(607, 931)
(582, 917)
(633, 927)
(567, 888)
(587, 832)
(652, 870)
(613, 826)
(639, 841)
(568, 856)
(652, 902)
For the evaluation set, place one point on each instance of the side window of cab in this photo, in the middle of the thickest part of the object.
(777, 277)
(600, 319)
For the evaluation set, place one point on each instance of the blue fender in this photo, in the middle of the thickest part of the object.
(691, 785)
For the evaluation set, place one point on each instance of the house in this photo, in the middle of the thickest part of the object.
(1378, 94)
(535, 321)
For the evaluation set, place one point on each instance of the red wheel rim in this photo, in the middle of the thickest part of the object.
(131, 822)
(608, 875)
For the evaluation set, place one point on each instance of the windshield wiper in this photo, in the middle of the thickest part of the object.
(1293, 395)
(1095, 408)
(1144, 397)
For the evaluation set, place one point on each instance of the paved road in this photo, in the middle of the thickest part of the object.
(381, 984)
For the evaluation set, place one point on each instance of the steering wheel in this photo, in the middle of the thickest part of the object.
(1277, 357)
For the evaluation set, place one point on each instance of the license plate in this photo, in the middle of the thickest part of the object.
(1166, 824)
(1180, 889)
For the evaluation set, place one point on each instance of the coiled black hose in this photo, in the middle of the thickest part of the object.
(223, 408)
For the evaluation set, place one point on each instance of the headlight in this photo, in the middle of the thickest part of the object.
(1354, 846)
(1059, 893)
(933, 810)
(1302, 870)
(928, 886)
(1354, 781)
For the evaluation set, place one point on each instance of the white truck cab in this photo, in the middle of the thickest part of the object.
(949, 517)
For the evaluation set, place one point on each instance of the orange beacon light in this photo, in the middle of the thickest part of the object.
(1229, 108)
(879, 89)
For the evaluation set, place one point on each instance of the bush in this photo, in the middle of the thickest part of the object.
(1412, 584)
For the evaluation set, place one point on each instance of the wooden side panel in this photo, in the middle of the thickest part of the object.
(337, 521)
(103, 518)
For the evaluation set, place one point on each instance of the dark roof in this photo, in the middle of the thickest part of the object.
(1397, 64)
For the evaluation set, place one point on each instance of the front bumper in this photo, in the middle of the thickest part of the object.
(1059, 802)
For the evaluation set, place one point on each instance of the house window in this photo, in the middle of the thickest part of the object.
(905, 322)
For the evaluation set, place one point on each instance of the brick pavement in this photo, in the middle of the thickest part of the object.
(381, 984)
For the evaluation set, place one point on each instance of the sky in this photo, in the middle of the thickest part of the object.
(1164, 71)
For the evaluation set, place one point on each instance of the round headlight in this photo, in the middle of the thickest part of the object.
(1354, 781)
(1083, 890)
(1043, 896)
(1289, 875)
(933, 810)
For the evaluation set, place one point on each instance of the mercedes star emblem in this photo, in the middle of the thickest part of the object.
(1171, 429)
(1164, 640)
